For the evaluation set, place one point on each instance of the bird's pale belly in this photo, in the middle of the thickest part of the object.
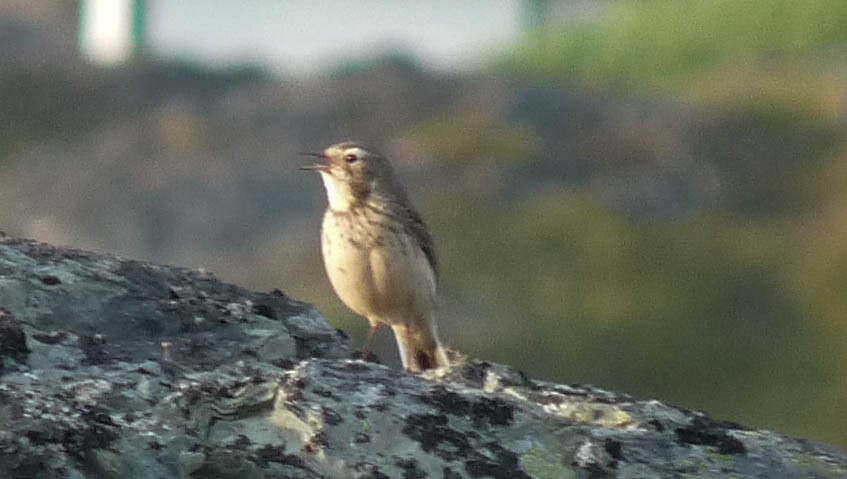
(383, 276)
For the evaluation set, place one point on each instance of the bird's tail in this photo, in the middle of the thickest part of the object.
(419, 346)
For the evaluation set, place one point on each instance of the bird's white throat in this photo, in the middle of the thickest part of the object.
(337, 192)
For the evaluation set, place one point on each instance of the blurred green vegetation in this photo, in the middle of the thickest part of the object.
(644, 42)
(705, 312)
(466, 138)
(738, 309)
(66, 102)
(36, 109)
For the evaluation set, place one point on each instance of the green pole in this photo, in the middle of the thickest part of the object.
(83, 23)
(535, 14)
(139, 25)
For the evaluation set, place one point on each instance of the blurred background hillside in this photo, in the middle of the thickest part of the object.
(644, 195)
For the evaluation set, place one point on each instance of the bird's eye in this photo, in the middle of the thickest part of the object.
(350, 158)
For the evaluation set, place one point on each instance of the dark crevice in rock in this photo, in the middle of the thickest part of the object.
(12, 338)
(703, 432)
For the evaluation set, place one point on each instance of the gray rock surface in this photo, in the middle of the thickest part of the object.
(120, 369)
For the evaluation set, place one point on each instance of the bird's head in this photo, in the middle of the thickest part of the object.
(350, 172)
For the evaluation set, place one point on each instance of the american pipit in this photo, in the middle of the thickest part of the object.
(378, 253)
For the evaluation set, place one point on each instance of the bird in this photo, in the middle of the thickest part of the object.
(378, 253)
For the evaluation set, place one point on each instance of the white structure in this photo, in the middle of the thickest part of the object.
(302, 36)
(111, 30)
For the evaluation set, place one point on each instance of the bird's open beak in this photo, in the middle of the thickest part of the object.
(316, 166)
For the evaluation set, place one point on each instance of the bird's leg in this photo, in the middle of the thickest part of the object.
(367, 353)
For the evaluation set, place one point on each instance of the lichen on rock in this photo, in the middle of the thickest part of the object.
(122, 369)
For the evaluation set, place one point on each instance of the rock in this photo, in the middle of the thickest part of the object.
(12, 337)
(122, 369)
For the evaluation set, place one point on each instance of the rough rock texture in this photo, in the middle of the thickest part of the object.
(120, 369)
